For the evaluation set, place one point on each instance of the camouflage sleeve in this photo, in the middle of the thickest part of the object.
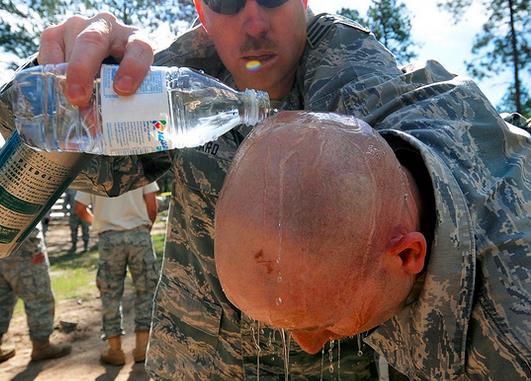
(112, 176)
(104, 175)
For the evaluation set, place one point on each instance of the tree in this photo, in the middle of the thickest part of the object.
(390, 22)
(21, 37)
(352, 14)
(503, 44)
(17, 34)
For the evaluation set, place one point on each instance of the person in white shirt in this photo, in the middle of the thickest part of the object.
(123, 225)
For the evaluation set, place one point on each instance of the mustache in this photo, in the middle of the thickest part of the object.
(252, 44)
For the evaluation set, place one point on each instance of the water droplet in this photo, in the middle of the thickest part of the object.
(279, 278)
(278, 302)
(331, 357)
(322, 362)
(256, 338)
(339, 360)
(286, 340)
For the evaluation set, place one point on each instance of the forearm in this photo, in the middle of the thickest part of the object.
(151, 206)
(83, 213)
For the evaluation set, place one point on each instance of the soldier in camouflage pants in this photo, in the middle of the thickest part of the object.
(124, 242)
(25, 275)
(74, 222)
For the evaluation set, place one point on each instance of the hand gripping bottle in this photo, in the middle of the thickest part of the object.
(175, 107)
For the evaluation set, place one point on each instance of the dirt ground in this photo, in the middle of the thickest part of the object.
(83, 363)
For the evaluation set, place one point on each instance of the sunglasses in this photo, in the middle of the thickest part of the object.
(232, 7)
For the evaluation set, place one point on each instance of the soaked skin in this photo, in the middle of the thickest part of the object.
(311, 203)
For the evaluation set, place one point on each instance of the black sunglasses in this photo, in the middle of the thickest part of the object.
(232, 7)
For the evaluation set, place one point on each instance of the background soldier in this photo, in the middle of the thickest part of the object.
(124, 226)
(74, 222)
(25, 275)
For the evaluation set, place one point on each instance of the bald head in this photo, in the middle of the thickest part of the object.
(308, 208)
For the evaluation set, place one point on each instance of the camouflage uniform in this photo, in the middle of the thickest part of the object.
(124, 242)
(517, 120)
(119, 250)
(19, 277)
(74, 221)
(472, 318)
(196, 332)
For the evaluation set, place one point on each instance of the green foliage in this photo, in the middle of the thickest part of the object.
(503, 44)
(353, 14)
(507, 102)
(23, 20)
(390, 22)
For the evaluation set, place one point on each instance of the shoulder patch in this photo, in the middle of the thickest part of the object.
(322, 23)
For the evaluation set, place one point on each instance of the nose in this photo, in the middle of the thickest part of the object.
(256, 19)
(310, 342)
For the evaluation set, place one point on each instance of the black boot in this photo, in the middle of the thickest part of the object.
(73, 248)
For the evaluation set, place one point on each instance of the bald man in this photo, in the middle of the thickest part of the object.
(328, 229)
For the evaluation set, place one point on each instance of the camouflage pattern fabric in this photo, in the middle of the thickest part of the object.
(74, 221)
(20, 278)
(517, 120)
(118, 251)
(196, 333)
(472, 318)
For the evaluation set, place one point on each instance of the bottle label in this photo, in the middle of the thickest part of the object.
(138, 123)
(28, 184)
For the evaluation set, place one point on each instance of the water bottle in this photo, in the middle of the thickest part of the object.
(30, 183)
(174, 107)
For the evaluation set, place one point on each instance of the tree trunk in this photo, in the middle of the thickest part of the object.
(517, 100)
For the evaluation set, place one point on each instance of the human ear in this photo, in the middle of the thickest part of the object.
(411, 249)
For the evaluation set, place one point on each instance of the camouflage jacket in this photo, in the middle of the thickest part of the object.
(472, 317)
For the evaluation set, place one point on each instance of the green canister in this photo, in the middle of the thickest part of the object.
(30, 183)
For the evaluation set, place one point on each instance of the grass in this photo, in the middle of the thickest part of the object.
(74, 276)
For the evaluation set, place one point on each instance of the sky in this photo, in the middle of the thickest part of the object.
(432, 29)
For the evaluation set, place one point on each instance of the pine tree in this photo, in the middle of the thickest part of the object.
(503, 44)
(390, 22)
(22, 21)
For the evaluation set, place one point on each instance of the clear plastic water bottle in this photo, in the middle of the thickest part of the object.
(175, 107)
